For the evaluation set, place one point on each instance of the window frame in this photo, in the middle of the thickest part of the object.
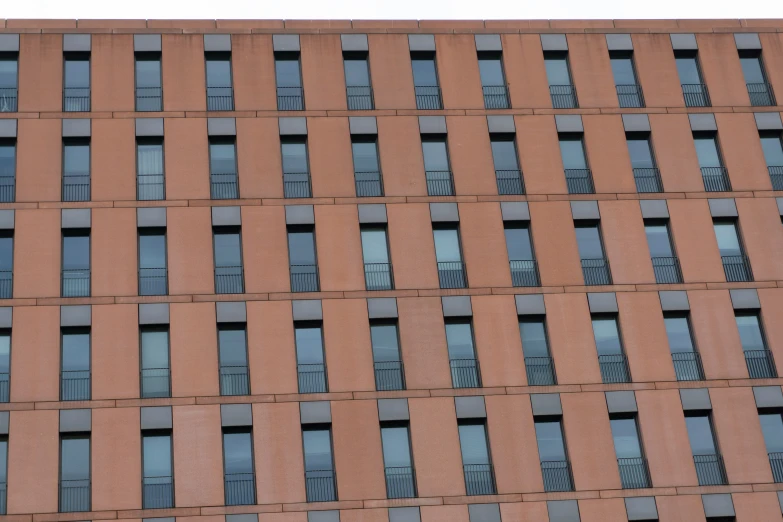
(559, 55)
(520, 224)
(163, 328)
(563, 440)
(753, 312)
(493, 55)
(160, 433)
(78, 56)
(452, 225)
(661, 222)
(629, 55)
(218, 56)
(536, 318)
(425, 55)
(151, 140)
(602, 316)
(718, 147)
(234, 326)
(740, 240)
(374, 227)
(639, 436)
(639, 135)
(153, 231)
(592, 223)
(713, 433)
(238, 430)
(758, 55)
(571, 136)
(690, 53)
(327, 427)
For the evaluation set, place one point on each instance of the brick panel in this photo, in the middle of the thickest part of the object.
(607, 153)
(458, 71)
(265, 249)
(484, 245)
(33, 463)
(347, 345)
(412, 246)
(39, 176)
(555, 244)
(602, 510)
(591, 69)
(402, 162)
(471, 155)
(390, 71)
(259, 158)
(253, 69)
(113, 169)
(715, 331)
(186, 158)
(183, 71)
(571, 339)
(37, 240)
(675, 153)
(722, 71)
(35, 357)
(357, 450)
(331, 163)
(757, 506)
(771, 309)
(194, 350)
(323, 76)
(741, 148)
(113, 75)
(626, 242)
(40, 72)
(277, 443)
(759, 221)
(116, 461)
(694, 238)
(657, 70)
(512, 437)
(435, 447)
(198, 459)
(523, 61)
(114, 252)
(115, 357)
(680, 508)
(189, 237)
(339, 247)
(539, 155)
(498, 342)
(423, 343)
(644, 337)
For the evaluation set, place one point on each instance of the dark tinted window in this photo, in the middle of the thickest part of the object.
(572, 151)
(491, 69)
(518, 241)
(3, 460)
(626, 438)
(658, 240)
(700, 434)
(228, 249)
(6, 251)
(148, 71)
(473, 444)
(549, 435)
(771, 144)
(588, 239)
(365, 155)
(396, 446)
(385, 342)
(238, 452)
(5, 351)
(607, 335)
(772, 428)
(9, 67)
(152, 248)
(640, 151)
(309, 344)
(154, 348)
(75, 458)
(678, 332)
(222, 157)
(727, 237)
(688, 69)
(287, 70)
(459, 337)
(504, 152)
(149, 157)
(557, 72)
(357, 71)
(232, 340)
(294, 156)
(218, 70)
(752, 69)
(749, 328)
(534, 340)
(707, 150)
(76, 349)
(76, 73)
(76, 157)
(76, 251)
(301, 247)
(436, 157)
(374, 245)
(622, 69)
(156, 449)
(317, 449)
(424, 70)
(7, 157)
(447, 247)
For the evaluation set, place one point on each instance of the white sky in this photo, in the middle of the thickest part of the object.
(391, 9)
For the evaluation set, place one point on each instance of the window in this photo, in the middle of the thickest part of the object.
(645, 169)
(759, 89)
(611, 356)
(448, 254)
(153, 278)
(694, 90)
(158, 475)
(296, 171)
(150, 172)
(240, 487)
(524, 271)
(223, 168)
(436, 165)
(220, 93)
(310, 363)
(595, 266)
(303, 260)
(74, 473)
(232, 342)
(552, 453)
(155, 369)
(76, 263)
(757, 356)
(629, 92)
(397, 461)
(375, 251)
(366, 167)
(535, 347)
(229, 277)
(462, 355)
(149, 85)
(558, 74)
(735, 263)
(3, 474)
(579, 179)
(320, 480)
(76, 169)
(76, 82)
(7, 170)
(357, 81)
(685, 356)
(288, 74)
(5, 365)
(389, 374)
(493, 80)
(706, 457)
(476, 459)
(425, 81)
(507, 171)
(665, 263)
(771, 144)
(713, 172)
(9, 78)
(630, 457)
(75, 364)
(6, 264)
(771, 427)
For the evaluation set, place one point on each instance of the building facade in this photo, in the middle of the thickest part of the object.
(356, 271)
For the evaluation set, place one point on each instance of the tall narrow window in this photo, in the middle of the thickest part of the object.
(3, 475)
(5, 364)
(75, 473)
(9, 81)
(465, 372)
(772, 428)
(357, 81)
(220, 91)
(240, 477)
(6, 264)
(630, 456)
(448, 254)
(436, 165)
(76, 263)
(665, 263)
(76, 169)
(7, 170)
(377, 264)
(476, 458)
(579, 179)
(694, 90)
(296, 170)
(507, 172)
(366, 167)
(555, 468)
(629, 92)
(535, 346)
(229, 272)
(493, 80)
(310, 362)
(302, 259)
(645, 169)
(595, 265)
(150, 172)
(425, 81)
(224, 182)
(611, 356)
(75, 364)
(155, 369)
(736, 265)
(772, 145)
(149, 84)
(558, 74)
(157, 473)
(232, 343)
(522, 260)
(759, 88)
(761, 364)
(685, 356)
(706, 457)
(320, 481)
(389, 374)
(714, 174)
(397, 461)
(153, 274)
(288, 75)
(76, 82)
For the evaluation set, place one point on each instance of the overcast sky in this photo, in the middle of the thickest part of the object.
(396, 9)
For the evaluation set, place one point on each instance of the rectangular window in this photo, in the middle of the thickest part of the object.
(3, 474)
(149, 84)
(7, 170)
(595, 265)
(437, 167)
(6, 264)
(76, 169)
(397, 461)
(150, 171)
(157, 472)
(707, 458)
(229, 278)
(736, 265)
(759, 89)
(772, 428)
(694, 90)
(685, 356)
(75, 364)
(155, 369)
(302, 259)
(153, 278)
(611, 356)
(493, 80)
(220, 92)
(310, 362)
(224, 183)
(357, 81)
(552, 453)
(288, 75)
(464, 364)
(448, 254)
(5, 364)
(76, 263)
(579, 179)
(524, 271)
(535, 346)
(772, 145)
(665, 263)
(645, 169)
(366, 166)
(74, 473)
(240, 486)
(507, 171)
(713, 172)
(389, 374)
(629, 92)
(320, 480)
(425, 81)
(9, 81)
(296, 170)
(232, 343)
(630, 457)
(476, 459)
(758, 358)
(377, 265)
(76, 82)
(558, 74)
